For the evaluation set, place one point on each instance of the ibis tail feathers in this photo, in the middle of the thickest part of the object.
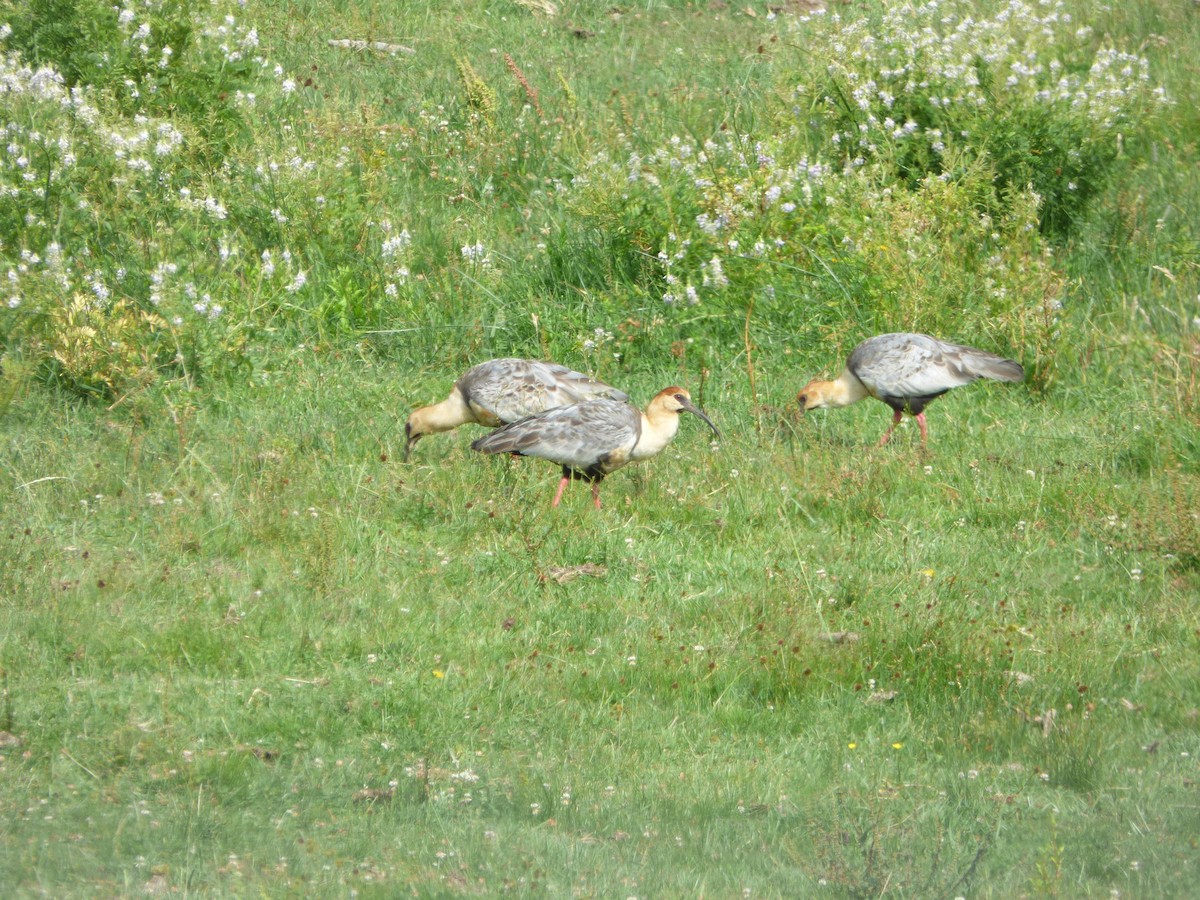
(988, 365)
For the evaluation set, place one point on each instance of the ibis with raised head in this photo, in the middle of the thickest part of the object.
(595, 437)
(502, 391)
(907, 372)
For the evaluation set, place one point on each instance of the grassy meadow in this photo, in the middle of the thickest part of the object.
(246, 650)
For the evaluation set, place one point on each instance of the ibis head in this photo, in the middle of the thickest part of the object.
(677, 400)
(816, 394)
(432, 419)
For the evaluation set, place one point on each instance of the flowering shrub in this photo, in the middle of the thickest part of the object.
(735, 223)
(102, 188)
(935, 259)
(151, 59)
(70, 36)
(705, 211)
(911, 184)
(1025, 89)
(160, 164)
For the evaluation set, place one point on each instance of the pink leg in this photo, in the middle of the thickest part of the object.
(924, 427)
(887, 434)
(596, 493)
(562, 486)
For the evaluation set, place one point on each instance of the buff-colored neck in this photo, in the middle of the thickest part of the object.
(450, 413)
(660, 423)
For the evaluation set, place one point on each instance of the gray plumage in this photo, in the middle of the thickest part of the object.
(501, 391)
(908, 371)
(591, 438)
(511, 389)
(595, 437)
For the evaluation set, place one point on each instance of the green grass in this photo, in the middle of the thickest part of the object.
(303, 617)
(247, 651)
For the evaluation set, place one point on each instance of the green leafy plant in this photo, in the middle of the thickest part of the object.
(101, 348)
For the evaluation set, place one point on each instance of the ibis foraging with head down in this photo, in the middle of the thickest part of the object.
(595, 437)
(502, 391)
(907, 372)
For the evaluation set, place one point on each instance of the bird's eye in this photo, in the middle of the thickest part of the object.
(681, 398)
(803, 399)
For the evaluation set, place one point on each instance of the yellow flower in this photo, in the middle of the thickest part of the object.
(438, 673)
(852, 745)
(897, 745)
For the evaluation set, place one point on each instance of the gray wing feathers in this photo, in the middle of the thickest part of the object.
(578, 436)
(916, 365)
(989, 365)
(514, 388)
(578, 386)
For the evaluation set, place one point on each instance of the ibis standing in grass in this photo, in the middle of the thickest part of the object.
(907, 372)
(595, 437)
(501, 391)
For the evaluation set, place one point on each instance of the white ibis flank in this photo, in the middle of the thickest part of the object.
(501, 391)
(595, 437)
(907, 372)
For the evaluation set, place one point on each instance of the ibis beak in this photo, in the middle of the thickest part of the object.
(695, 410)
(411, 440)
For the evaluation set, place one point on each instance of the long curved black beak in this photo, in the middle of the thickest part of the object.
(697, 411)
(411, 440)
